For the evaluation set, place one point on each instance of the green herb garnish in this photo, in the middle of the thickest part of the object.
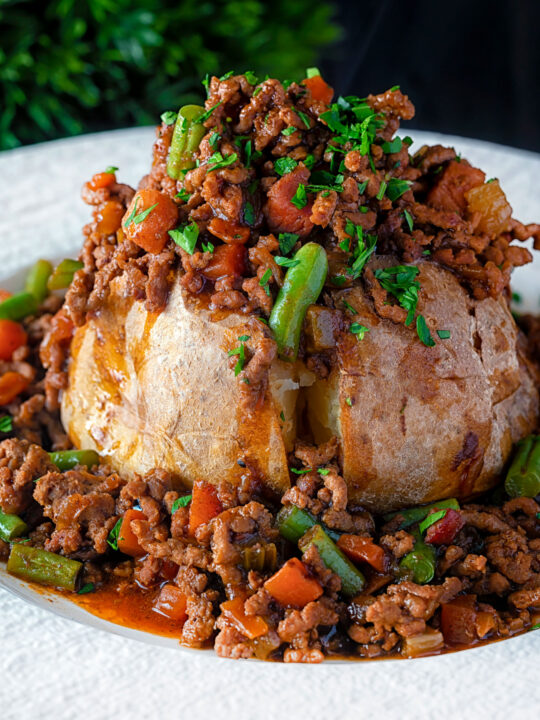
(444, 334)
(284, 165)
(263, 282)
(286, 242)
(218, 161)
(6, 423)
(144, 214)
(169, 117)
(408, 218)
(285, 261)
(88, 588)
(299, 199)
(186, 236)
(249, 213)
(358, 330)
(396, 188)
(180, 502)
(112, 539)
(241, 352)
(423, 331)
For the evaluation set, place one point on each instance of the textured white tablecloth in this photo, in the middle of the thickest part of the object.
(53, 668)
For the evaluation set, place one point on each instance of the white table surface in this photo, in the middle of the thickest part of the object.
(53, 668)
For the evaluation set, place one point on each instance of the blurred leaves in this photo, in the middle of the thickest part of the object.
(71, 66)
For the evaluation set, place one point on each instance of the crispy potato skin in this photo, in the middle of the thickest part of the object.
(426, 423)
(157, 391)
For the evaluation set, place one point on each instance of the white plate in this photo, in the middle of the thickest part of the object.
(42, 216)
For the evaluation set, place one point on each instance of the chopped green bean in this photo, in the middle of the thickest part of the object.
(420, 561)
(68, 459)
(301, 288)
(41, 566)
(523, 478)
(293, 522)
(11, 527)
(352, 580)
(187, 135)
(18, 306)
(417, 514)
(63, 274)
(37, 278)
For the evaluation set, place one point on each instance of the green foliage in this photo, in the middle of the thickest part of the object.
(70, 66)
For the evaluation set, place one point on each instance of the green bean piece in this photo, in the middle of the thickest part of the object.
(41, 566)
(293, 522)
(523, 478)
(11, 527)
(68, 459)
(420, 561)
(301, 288)
(63, 274)
(37, 278)
(352, 580)
(18, 306)
(417, 514)
(187, 135)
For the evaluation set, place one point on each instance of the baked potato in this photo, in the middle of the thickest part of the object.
(415, 423)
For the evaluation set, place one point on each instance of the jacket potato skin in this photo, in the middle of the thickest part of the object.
(425, 423)
(158, 391)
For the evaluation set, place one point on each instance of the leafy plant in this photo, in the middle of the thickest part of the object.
(68, 66)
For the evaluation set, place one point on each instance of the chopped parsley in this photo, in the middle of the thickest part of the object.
(394, 146)
(251, 77)
(304, 118)
(408, 219)
(284, 165)
(249, 213)
(88, 588)
(490, 180)
(214, 138)
(349, 307)
(286, 262)
(183, 195)
(112, 540)
(396, 188)
(309, 161)
(111, 169)
(227, 75)
(6, 423)
(338, 280)
(381, 191)
(282, 416)
(241, 352)
(426, 252)
(208, 246)
(263, 282)
(423, 331)
(206, 83)
(362, 187)
(289, 131)
(535, 627)
(180, 502)
(204, 117)
(141, 217)
(349, 401)
(358, 330)
(218, 161)
(132, 214)
(325, 181)
(300, 472)
(364, 247)
(431, 520)
(444, 334)
(400, 281)
(169, 117)
(286, 242)
(299, 199)
(354, 122)
(186, 236)
(323, 471)
(312, 72)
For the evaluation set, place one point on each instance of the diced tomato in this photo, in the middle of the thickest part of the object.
(445, 530)
(12, 336)
(455, 181)
(109, 217)
(226, 260)
(320, 90)
(293, 585)
(4, 295)
(101, 180)
(229, 232)
(458, 621)
(281, 214)
(11, 385)
(172, 603)
(127, 540)
(363, 549)
(204, 504)
(151, 231)
(252, 626)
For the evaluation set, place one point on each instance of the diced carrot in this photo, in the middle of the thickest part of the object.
(172, 603)
(226, 260)
(252, 626)
(293, 585)
(363, 549)
(101, 180)
(204, 505)
(282, 215)
(320, 90)
(229, 232)
(150, 230)
(127, 540)
(4, 295)
(11, 384)
(109, 217)
(12, 336)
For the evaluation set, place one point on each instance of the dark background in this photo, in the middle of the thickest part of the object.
(471, 67)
